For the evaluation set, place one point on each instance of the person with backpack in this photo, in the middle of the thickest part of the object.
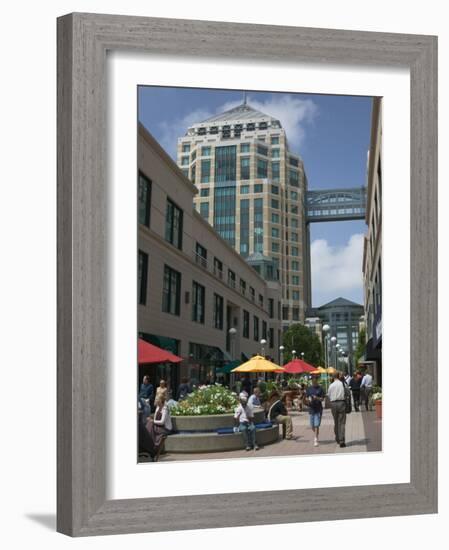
(336, 394)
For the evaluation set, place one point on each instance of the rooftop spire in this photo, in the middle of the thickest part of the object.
(244, 98)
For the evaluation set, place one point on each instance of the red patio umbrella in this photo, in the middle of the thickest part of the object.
(298, 366)
(147, 353)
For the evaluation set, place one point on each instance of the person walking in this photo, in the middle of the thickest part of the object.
(336, 395)
(278, 413)
(354, 384)
(183, 390)
(314, 396)
(244, 416)
(367, 387)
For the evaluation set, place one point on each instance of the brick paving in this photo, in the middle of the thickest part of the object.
(363, 433)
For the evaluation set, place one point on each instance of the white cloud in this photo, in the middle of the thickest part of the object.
(293, 112)
(337, 270)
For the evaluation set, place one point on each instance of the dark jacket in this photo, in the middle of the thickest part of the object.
(276, 409)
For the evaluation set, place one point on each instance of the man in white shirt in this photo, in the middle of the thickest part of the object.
(366, 387)
(244, 415)
(336, 394)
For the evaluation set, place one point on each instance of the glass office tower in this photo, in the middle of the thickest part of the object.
(251, 189)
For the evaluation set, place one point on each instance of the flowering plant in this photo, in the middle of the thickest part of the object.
(214, 399)
(377, 396)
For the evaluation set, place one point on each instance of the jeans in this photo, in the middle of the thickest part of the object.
(367, 397)
(338, 409)
(249, 433)
(356, 397)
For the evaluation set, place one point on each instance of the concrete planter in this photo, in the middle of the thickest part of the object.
(206, 423)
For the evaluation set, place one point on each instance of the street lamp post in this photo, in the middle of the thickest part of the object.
(333, 348)
(262, 343)
(326, 329)
(281, 355)
(302, 355)
(232, 332)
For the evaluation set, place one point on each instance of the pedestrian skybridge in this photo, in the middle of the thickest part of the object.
(335, 205)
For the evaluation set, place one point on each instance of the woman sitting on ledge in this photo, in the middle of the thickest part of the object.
(159, 426)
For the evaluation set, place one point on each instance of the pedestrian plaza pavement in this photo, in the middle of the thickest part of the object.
(363, 433)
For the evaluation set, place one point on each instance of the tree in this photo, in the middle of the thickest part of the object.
(303, 340)
(360, 346)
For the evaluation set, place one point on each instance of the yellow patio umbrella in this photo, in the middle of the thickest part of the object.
(319, 370)
(258, 363)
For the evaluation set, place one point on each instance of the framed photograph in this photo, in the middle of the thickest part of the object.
(247, 271)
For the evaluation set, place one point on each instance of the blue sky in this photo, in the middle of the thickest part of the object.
(331, 133)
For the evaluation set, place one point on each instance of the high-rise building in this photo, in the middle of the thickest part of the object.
(251, 190)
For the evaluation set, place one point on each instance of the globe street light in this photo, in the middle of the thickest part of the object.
(232, 332)
(293, 353)
(302, 355)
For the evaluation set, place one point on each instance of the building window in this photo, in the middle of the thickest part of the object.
(205, 151)
(142, 277)
(294, 195)
(295, 265)
(204, 192)
(294, 237)
(275, 153)
(293, 178)
(250, 127)
(295, 314)
(262, 168)
(252, 293)
(295, 251)
(294, 209)
(274, 203)
(271, 308)
(261, 300)
(186, 147)
(244, 227)
(293, 161)
(198, 302)
(205, 171)
(294, 223)
(275, 171)
(256, 328)
(258, 225)
(258, 188)
(204, 210)
(245, 172)
(171, 292)
(295, 279)
(264, 330)
(201, 255)
(225, 164)
(275, 232)
(224, 213)
(285, 313)
(275, 247)
(144, 200)
(275, 218)
(193, 156)
(242, 287)
(185, 171)
(193, 173)
(274, 140)
(213, 130)
(231, 278)
(185, 161)
(244, 147)
(245, 324)
(218, 311)
(173, 224)
(295, 295)
(271, 338)
(275, 189)
(218, 268)
(244, 189)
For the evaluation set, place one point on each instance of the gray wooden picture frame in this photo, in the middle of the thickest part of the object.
(83, 41)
